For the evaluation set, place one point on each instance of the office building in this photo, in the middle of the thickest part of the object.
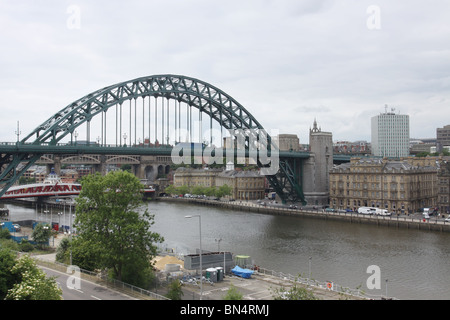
(390, 135)
(442, 138)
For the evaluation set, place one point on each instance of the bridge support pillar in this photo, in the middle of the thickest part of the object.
(101, 168)
(317, 167)
(56, 165)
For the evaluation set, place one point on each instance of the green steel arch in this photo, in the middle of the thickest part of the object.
(207, 98)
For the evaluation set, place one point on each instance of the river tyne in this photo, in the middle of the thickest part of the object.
(413, 264)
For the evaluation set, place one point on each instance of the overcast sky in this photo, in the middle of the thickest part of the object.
(286, 61)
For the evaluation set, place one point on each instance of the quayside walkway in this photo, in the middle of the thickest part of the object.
(395, 221)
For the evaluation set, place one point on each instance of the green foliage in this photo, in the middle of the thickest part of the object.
(222, 191)
(85, 254)
(41, 233)
(25, 246)
(7, 279)
(21, 279)
(126, 167)
(113, 226)
(183, 190)
(32, 283)
(209, 191)
(4, 233)
(175, 292)
(296, 292)
(9, 244)
(63, 251)
(233, 294)
(171, 189)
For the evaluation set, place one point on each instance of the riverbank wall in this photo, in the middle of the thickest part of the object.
(395, 221)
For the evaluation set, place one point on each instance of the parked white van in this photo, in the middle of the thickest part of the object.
(367, 210)
(382, 212)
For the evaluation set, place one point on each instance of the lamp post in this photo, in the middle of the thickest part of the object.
(218, 251)
(59, 221)
(201, 266)
(309, 277)
(386, 288)
(218, 244)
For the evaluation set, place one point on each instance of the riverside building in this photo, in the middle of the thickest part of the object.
(245, 184)
(401, 186)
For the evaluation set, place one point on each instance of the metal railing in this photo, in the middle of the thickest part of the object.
(112, 283)
(326, 285)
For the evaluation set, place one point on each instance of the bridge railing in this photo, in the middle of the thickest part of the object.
(86, 144)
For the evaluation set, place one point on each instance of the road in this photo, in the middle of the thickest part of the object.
(86, 290)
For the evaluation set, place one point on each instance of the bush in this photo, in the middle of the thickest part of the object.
(25, 246)
(4, 234)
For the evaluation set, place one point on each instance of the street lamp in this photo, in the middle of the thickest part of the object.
(125, 139)
(218, 251)
(59, 221)
(386, 288)
(201, 266)
(310, 267)
(218, 244)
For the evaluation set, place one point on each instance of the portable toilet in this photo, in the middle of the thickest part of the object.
(219, 274)
(211, 274)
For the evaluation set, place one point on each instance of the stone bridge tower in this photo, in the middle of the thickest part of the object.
(317, 167)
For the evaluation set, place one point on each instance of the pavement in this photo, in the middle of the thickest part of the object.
(257, 287)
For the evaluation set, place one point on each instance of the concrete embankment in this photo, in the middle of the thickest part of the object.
(394, 221)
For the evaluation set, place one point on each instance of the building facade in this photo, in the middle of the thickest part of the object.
(443, 197)
(402, 186)
(288, 142)
(245, 185)
(442, 138)
(195, 177)
(390, 135)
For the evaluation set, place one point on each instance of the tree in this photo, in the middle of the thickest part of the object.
(7, 279)
(224, 190)
(63, 251)
(41, 234)
(210, 191)
(198, 190)
(31, 283)
(175, 292)
(170, 189)
(183, 190)
(112, 225)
